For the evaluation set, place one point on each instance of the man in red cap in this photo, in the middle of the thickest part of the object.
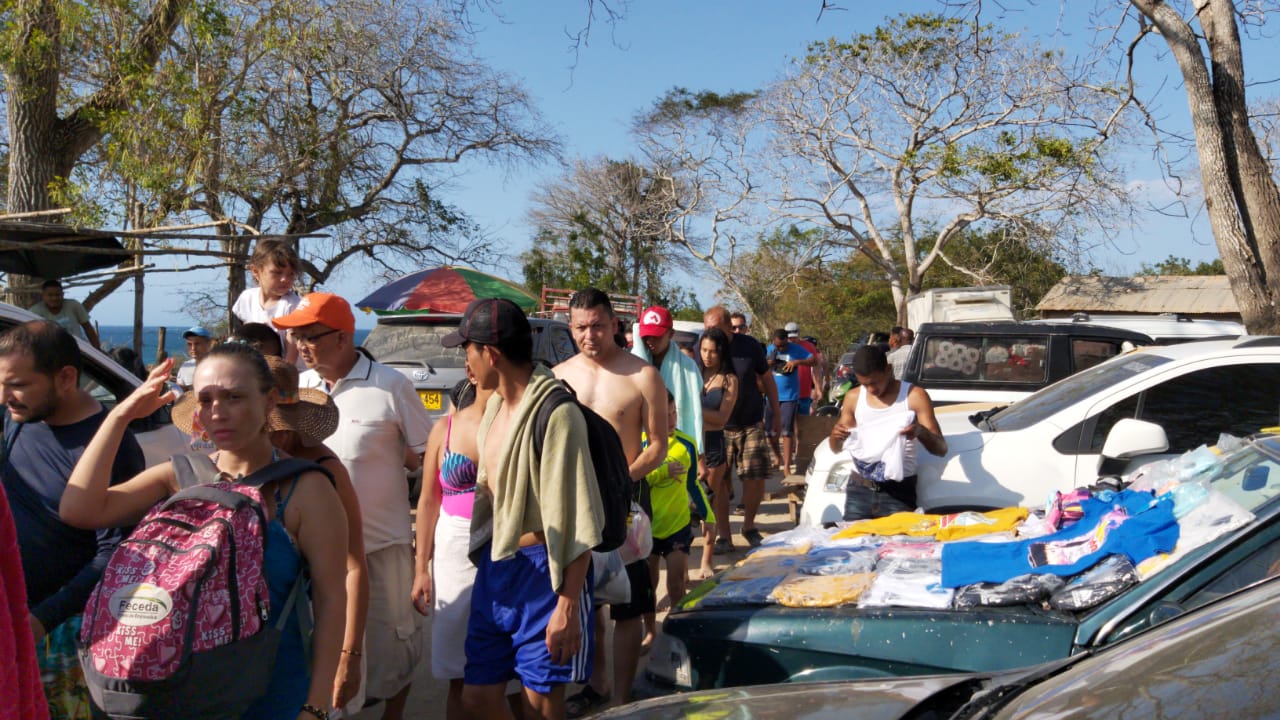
(382, 433)
(684, 381)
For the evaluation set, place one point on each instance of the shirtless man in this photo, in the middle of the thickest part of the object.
(630, 394)
(878, 397)
(530, 613)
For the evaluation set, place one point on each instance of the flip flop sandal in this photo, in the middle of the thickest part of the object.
(584, 702)
(723, 546)
(753, 537)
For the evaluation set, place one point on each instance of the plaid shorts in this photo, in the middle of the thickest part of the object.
(747, 451)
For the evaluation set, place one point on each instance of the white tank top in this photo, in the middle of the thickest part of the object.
(864, 414)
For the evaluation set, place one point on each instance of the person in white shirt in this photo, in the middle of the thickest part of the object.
(382, 432)
(70, 314)
(274, 266)
(199, 341)
(900, 341)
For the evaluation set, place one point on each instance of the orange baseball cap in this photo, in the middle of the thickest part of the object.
(324, 308)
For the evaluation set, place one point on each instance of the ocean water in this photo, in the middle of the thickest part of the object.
(122, 336)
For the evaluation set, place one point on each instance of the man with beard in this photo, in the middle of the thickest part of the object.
(629, 393)
(48, 421)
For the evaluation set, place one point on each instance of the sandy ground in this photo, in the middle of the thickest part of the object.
(427, 699)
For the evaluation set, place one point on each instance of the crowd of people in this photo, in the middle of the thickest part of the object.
(501, 558)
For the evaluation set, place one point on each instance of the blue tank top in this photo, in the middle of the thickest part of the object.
(291, 677)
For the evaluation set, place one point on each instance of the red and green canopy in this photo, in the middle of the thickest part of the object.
(445, 289)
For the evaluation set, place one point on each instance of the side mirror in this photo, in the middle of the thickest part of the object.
(1130, 438)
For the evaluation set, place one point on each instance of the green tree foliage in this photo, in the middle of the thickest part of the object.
(832, 300)
(1173, 265)
(1029, 271)
(607, 223)
(578, 260)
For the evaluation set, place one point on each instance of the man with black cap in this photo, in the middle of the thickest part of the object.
(535, 519)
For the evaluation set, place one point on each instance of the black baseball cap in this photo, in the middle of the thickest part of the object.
(490, 321)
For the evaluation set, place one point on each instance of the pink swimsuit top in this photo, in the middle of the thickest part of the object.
(457, 479)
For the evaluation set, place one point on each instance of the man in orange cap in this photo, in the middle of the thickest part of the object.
(382, 431)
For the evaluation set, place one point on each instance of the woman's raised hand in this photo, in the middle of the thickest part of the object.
(153, 394)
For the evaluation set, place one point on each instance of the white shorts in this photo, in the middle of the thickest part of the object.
(452, 576)
(393, 637)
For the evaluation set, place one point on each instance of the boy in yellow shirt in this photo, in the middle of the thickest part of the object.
(669, 498)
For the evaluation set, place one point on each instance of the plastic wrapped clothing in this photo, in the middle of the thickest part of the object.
(954, 526)
(838, 561)
(822, 591)
(914, 582)
(751, 567)
(1029, 588)
(756, 591)
(881, 441)
(806, 535)
(908, 549)
(1212, 518)
(1148, 529)
(1102, 583)
(767, 551)
(1158, 476)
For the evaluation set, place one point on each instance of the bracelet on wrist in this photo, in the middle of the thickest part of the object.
(352, 653)
(313, 710)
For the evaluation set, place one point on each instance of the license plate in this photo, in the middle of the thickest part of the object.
(430, 399)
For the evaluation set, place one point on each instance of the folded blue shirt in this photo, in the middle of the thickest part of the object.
(1149, 529)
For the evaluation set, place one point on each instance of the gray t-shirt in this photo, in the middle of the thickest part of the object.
(73, 317)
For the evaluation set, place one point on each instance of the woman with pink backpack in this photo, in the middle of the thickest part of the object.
(212, 579)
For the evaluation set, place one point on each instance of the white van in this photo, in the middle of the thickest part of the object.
(1164, 328)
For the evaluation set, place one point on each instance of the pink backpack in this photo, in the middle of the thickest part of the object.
(177, 624)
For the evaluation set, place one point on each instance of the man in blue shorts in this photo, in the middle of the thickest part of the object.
(536, 518)
(785, 358)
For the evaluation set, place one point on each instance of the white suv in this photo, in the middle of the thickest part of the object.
(110, 383)
(1053, 439)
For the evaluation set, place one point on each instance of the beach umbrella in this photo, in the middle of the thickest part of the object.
(446, 289)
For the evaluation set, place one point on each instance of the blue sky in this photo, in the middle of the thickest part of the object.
(718, 45)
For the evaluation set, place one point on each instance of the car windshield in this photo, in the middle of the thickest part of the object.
(414, 344)
(1250, 476)
(1066, 392)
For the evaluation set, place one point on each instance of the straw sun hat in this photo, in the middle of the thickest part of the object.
(307, 411)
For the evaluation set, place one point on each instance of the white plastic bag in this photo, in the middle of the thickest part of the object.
(639, 542)
(609, 584)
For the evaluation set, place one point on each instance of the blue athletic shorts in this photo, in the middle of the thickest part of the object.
(511, 605)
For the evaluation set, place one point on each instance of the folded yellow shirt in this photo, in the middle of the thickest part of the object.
(822, 590)
(955, 526)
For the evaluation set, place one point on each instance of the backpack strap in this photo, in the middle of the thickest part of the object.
(282, 469)
(555, 398)
(193, 469)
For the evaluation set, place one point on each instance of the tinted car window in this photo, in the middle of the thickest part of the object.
(1195, 408)
(989, 359)
(395, 344)
(1040, 405)
(1087, 353)
(562, 344)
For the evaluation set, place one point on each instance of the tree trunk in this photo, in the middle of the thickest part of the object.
(1241, 215)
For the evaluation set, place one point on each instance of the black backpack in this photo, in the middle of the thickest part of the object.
(607, 457)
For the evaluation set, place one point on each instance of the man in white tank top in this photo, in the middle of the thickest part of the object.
(892, 418)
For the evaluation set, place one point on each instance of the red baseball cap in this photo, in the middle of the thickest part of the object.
(324, 308)
(654, 322)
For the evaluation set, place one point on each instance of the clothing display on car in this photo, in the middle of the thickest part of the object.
(1081, 549)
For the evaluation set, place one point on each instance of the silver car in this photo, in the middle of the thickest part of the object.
(109, 383)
